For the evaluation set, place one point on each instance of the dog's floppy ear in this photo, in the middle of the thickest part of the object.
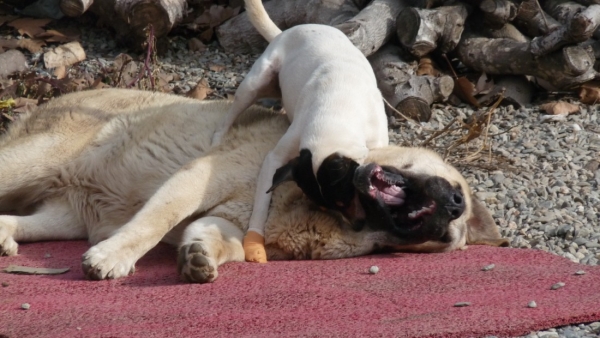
(481, 228)
(284, 174)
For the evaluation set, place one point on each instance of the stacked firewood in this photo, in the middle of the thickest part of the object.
(415, 45)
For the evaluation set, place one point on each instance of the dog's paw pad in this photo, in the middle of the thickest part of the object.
(8, 246)
(194, 265)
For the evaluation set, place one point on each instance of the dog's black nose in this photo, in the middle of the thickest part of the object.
(456, 205)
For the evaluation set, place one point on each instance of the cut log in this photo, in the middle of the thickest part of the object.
(74, 8)
(410, 94)
(588, 2)
(534, 22)
(508, 31)
(498, 12)
(581, 27)
(237, 35)
(374, 25)
(424, 30)
(562, 10)
(566, 68)
(130, 18)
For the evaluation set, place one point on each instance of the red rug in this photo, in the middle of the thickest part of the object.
(413, 295)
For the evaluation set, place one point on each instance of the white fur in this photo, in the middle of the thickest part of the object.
(329, 93)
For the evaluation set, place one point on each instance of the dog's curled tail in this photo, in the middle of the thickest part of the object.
(260, 19)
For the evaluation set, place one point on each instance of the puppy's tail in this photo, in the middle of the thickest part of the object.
(260, 19)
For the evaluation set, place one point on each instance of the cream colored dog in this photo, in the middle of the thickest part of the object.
(127, 169)
(330, 95)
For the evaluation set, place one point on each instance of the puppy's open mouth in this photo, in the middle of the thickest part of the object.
(386, 186)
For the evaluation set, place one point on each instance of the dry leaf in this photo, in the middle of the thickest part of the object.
(215, 67)
(484, 85)
(60, 72)
(559, 108)
(62, 36)
(98, 84)
(30, 27)
(32, 45)
(26, 270)
(23, 105)
(589, 93)
(64, 55)
(464, 89)
(201, 91)
(195, 45)
(426, 67)
(6, 18)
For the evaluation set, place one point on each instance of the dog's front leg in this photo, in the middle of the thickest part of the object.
(195, 187)
(254, 241)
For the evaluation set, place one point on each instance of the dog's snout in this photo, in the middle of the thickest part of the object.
(456, 205)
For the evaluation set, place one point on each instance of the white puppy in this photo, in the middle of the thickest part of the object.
(329, 93)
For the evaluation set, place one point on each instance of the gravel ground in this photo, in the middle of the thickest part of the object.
(540, 180)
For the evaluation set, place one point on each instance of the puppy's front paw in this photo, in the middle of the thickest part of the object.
(254, 248)
(8, 246)
(102, 263)
(194, 265)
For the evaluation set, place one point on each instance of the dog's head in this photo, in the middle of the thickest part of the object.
(411, 193)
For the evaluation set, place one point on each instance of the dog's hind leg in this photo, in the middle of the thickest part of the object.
(262, 81)
(195, 188)
(204, 245)
(54, 220)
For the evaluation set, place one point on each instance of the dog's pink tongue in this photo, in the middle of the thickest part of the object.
(392, 195)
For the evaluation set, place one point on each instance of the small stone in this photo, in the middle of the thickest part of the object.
(4, 284)
(47, 255)
(488, 267)
(374, 269)
(532, 304)
(579, 272)
(462, 304)
(557, 286)
(25, 306)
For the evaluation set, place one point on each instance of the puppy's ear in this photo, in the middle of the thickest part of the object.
(481, 228)
(284, 174)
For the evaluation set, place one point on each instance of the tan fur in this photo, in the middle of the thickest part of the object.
(127, 169)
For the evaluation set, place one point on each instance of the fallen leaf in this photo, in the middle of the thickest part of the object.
(464, 89)
(98, 84)
(426, 67)
(59, 35)
(215, 67)
(6, 18)
(27, 270)
(23, 105)
(64, 55)
(195, 45)
(7, 103)
(32, 45)
(589, 93)
(559, 108)
(484, 85)
(200, 91)
(30, 27)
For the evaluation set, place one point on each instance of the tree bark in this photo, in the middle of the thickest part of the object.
(410, 94)
(564, 69)
(74, 8)
(237, 35)
(580, 28)
(498, 12)
(374, 25)
(534, 22)
(424, 30)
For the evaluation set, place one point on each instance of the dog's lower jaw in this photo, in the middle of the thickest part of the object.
(254, 247)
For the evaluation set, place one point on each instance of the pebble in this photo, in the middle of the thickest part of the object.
(462, 304)
(532, 304)
(374, 269)
(579, 272)
(488, 267)
(5, 284)
(25, 306)
(557, 286)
